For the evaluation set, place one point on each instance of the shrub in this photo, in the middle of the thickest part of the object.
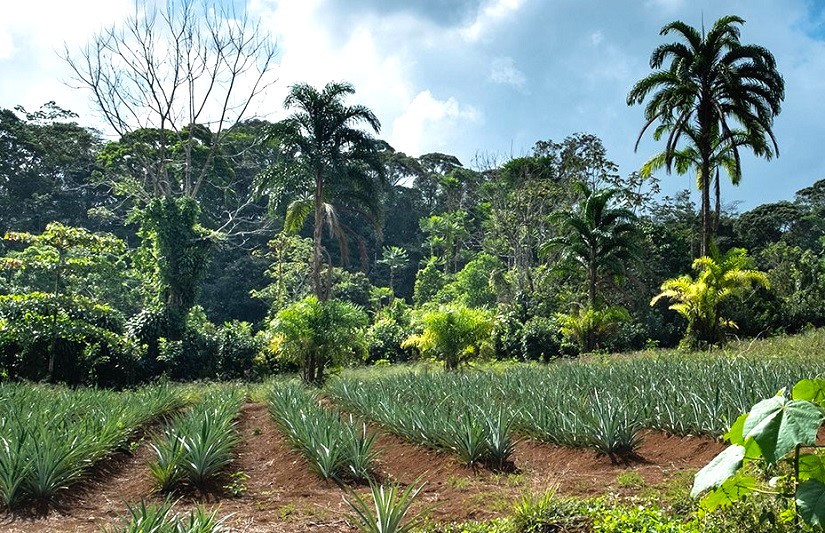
(313, 334)
(452, 333)
(83, 340)
(542, 340)
(237, 349)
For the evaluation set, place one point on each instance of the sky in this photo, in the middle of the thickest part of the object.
(475, 78)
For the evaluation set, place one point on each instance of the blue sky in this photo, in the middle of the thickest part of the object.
(477, 76)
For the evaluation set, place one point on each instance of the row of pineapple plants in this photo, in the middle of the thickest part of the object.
(51, 436)
(196, 446)
(337, 447)
(580, 404)
(477, 433)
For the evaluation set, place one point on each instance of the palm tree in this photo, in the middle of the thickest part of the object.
(328, 162)
(716, 95)
(598, 237)
(395, 258)
(699, 300)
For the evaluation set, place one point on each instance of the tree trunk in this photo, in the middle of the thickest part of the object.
(317, 234)
(707, 229)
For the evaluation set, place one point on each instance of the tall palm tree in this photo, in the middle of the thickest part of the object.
(597, 236)
(716, 93)
(328, 163)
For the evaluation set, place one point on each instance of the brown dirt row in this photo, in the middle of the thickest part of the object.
(283, 494)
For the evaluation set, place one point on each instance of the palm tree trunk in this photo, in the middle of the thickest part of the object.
(706, 220)
(718, 211)
(317, 234)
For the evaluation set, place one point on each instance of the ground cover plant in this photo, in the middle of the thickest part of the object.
(51, 436)
(336, 448)
(196, 446)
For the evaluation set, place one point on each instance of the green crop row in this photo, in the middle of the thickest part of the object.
(335, 448)
(196, 446)
(601, 405)
(413, 408)
(50, 436)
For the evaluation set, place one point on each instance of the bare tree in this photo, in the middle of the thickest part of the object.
(172, 81)
(187, 72)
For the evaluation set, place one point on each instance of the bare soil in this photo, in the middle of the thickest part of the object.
(277, 491)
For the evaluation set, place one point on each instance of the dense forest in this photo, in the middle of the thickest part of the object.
(196, 248)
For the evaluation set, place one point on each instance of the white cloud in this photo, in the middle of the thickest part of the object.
(596, 38)
(33, 33)
(427, 124)
(491, 14)
(503, 71)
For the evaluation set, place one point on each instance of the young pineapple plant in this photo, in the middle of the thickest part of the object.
(196, 446)
(335, 448)
(387, 508)
(51, 436)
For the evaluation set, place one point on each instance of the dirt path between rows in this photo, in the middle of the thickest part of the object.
(276, 490)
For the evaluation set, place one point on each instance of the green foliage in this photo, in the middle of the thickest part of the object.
(446, 235)
(387, 334)
(327, 164)
(47, 159)
(395, 258)
(69, 333)
(596, 237)
(452, 333)
(391, 506)
(473, 285)
(590, 327)
(428, 281)
(51, 436)
(314, 334)
(237, 349)
(714, 97)
(335, 449)
(777, 432)
(424, 413)
(80, 338)
(600, 405)
(158, 517)
(179, 248)
(197, 446)
(718, 278)
(542, 340)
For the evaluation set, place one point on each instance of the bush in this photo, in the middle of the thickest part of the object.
(452, 334)
(84, 340)
(386, 335)
(313, 334)
(237, 349)
(506, 335)
(541, 340)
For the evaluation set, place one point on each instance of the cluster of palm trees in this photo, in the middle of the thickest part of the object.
(709, 97)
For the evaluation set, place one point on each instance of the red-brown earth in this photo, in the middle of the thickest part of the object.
(281, 493)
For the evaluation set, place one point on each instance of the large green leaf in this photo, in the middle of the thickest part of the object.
(812, 390)
(810, 497)
(811, 466)
(778, 425)
(732, 490)
(722, 467)
(735, 434)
